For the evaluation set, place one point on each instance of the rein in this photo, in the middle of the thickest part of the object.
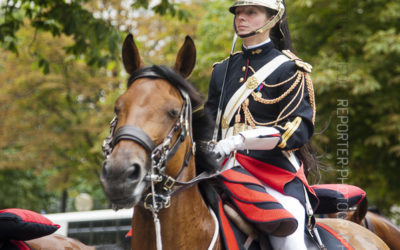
(161, 184)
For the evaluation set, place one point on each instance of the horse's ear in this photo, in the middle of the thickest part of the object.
(361, 211)
(186, 58)
(130, 55)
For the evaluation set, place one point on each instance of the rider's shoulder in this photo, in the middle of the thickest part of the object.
(234, 55)
(300, 64)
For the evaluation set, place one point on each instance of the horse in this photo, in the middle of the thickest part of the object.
(157, 107)
(57, 242)
(374, 222)
(151, 160)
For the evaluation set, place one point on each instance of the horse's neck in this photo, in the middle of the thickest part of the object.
(187, 222)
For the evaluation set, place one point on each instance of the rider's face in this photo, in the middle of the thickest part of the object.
(249, 19)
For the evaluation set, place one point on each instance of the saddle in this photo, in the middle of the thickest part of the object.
(241, 229)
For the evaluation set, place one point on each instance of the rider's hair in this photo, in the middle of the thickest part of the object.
(280, 34)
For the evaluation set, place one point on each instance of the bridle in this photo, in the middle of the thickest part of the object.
(161, 183)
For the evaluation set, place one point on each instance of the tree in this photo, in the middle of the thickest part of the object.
(96, 39)
(55, 119)
(354, 46)
(52, 122)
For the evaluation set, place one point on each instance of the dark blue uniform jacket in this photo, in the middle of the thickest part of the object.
(296, 130)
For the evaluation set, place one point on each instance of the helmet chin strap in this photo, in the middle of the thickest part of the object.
(269, 25)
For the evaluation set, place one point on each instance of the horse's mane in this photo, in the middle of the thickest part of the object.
(202, 123)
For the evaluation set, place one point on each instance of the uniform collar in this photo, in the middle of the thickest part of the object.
(258, 50)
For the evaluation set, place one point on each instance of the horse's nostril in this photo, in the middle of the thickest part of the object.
(133, 172)
(104, 169)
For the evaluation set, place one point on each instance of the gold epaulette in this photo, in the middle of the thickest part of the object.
(198, 108)
(300, 63)
(237, 52)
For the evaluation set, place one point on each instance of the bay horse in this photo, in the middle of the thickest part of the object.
(374, 222)
(150, 160)
(160, 110)
(57, 242)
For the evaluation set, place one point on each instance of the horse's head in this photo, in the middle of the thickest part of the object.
(150, 118)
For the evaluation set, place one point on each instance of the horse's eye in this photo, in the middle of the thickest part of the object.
(116, 110)
(173, 113)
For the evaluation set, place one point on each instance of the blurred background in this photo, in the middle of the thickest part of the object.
(60, 73)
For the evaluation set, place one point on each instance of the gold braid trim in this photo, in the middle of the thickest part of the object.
(250, 119)
(216, 63)
(277, 84)
(301, 89)
(310, 89)
(303, 80)
(198, 108)
(278, 99)
(298, 72)
(290, 127)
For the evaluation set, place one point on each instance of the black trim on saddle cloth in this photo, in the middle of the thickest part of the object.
(232, 237)
(282, 180)
(252, 201)
(331, 239)
(337, 197)
(15, 245)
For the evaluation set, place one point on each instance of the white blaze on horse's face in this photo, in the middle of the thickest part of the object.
(152, 105)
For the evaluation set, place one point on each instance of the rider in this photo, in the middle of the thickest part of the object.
(264, 120)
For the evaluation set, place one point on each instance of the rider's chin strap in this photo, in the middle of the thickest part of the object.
(267, 26)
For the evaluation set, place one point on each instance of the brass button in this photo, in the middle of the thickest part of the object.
(241, 79)
(255, 52)
(244, 68)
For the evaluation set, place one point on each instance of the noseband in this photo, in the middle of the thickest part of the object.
(160, 154)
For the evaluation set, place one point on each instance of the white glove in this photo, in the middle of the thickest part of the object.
(264, 138)
(226, 146)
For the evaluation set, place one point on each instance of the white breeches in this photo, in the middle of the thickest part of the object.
(294, 241)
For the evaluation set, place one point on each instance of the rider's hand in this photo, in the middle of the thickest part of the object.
(226, 146)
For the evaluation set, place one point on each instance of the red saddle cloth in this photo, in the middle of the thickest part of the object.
(253, 202)
(337, 197)
(274, 176)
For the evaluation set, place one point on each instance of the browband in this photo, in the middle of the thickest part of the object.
(147, 72)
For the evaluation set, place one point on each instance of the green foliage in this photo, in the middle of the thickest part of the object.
(354, 47)
(24, 188)
(165, 7)
(56, 121)
(94, 38)
(214, 40)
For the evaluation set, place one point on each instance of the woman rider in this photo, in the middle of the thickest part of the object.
(265, 106)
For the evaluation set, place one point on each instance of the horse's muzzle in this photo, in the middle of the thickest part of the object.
(122, 179)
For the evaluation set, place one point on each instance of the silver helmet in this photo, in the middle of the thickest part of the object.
(271, 4)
